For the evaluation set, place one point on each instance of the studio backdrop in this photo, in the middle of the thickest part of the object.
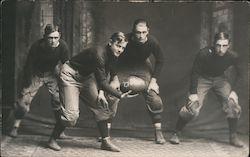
(181, 29)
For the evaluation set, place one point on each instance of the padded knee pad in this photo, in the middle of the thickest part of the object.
(133, 83)
(232, 109)
(190, 110)
(154, 102)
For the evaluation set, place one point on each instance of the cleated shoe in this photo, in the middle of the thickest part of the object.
(99, 139)
(108, 145)
(63, 136)
(235, 141)
(13, 132)
(54, 145)
(159, 138)
(174, 139)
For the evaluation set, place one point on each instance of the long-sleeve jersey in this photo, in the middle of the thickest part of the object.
(136, 53)
(42, 58)
(208, 64)
(100, 62)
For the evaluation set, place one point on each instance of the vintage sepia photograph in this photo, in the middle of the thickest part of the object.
(124, 78)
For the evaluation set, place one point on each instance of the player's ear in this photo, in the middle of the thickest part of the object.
(110, 42)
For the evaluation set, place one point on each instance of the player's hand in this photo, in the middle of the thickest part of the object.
(126, 94)
(193, 97)
(153, 86)
(102, 99)
(234, 96)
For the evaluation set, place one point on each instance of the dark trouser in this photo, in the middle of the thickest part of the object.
(142, 72)
(153, 103)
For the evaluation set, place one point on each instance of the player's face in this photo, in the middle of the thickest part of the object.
(53, 39)
(141, 32)
(221, 46)
(117, 48)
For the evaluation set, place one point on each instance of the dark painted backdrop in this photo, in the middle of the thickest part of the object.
(177, 27)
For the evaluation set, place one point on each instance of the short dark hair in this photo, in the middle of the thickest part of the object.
(119, 37)
(50, 28)
(137, 21)
(221, 36)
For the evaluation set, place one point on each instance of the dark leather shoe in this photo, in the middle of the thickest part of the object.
(159, 138)
(108, 145)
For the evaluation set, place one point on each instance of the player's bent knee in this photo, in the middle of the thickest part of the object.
(70, 119)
